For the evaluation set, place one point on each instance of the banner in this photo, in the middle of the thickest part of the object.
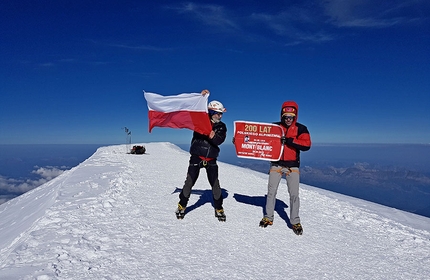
(258, 140)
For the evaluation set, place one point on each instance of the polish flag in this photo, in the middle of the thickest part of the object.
(186, 110)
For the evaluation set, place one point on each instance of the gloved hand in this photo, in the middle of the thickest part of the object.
(283, 140)
(286, 141)
(232, 140)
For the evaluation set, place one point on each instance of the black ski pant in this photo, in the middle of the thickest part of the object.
(196, 163)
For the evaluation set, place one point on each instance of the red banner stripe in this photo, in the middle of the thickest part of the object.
(197, 121)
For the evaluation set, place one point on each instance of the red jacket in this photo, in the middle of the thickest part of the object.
(298, 139)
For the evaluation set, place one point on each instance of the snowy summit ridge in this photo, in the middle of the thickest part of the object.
(112, 217)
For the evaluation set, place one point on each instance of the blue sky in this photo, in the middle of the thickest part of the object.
(74, 71)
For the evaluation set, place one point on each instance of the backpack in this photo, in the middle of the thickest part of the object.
(138, 150)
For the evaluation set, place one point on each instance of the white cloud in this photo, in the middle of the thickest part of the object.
(15, 186)
(141, 47)
(47, 64)
(298, 24)
(306, 21)
(48, 173)
(368, 13)
(213, 15)
(18, 187)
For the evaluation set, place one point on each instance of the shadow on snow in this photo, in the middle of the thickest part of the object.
(205, 197)
(260, 201)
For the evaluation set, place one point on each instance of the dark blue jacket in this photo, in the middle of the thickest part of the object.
(202, 146)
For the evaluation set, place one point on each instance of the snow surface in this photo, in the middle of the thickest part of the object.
(112, 217)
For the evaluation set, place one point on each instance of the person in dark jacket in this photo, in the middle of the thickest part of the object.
(204, 152)
(296, 139)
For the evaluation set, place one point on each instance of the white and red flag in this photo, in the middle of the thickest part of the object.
(186, 110)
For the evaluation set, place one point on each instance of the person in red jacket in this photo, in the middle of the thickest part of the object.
(296, 139)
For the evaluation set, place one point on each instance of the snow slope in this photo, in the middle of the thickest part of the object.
(112, 217)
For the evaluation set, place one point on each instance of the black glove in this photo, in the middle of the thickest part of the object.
(283, 140)
(232, 140)
(286, 141)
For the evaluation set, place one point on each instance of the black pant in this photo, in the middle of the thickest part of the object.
(193, 173)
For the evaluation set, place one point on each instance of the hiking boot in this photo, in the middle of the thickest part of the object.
(180, 212)
(297, 228)
(220, 215)
(265, 222)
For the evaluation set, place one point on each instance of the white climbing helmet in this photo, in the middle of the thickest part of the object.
(216, 106)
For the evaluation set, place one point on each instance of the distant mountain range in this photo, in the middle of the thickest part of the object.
(391, 186)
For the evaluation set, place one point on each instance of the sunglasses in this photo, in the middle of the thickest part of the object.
(289, 117)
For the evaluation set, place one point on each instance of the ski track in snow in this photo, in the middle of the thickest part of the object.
(112, 217)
